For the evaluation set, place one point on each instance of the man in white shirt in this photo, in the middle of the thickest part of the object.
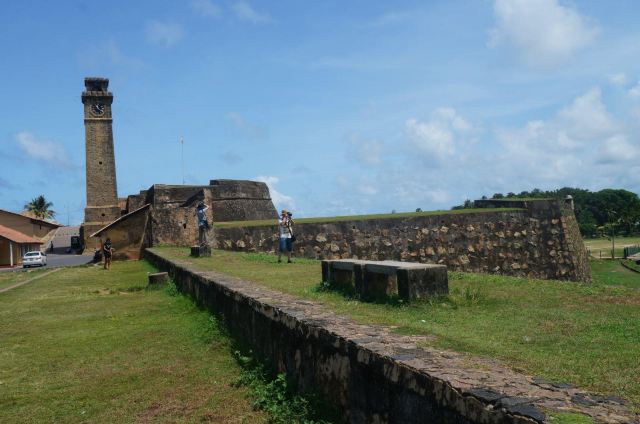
(285, 228)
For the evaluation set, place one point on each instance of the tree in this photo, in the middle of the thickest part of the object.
(40, 208)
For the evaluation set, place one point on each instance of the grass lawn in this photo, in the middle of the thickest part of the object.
(88, 345)
(604, 245)
(586, 334)
(9, 278)
(610, 272)
(360, 217)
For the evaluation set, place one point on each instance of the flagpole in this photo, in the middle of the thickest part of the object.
(182, 156)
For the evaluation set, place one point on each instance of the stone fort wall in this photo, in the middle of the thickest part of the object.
(370, 373)
(539, 240)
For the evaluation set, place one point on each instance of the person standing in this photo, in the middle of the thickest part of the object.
(285, 228)
(203, 224)
(107, 250)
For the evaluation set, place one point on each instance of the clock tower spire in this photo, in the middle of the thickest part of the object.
(102, 194)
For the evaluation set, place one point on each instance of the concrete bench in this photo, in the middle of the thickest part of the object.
(377, 279)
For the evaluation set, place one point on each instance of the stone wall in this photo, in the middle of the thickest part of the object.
(541, 240)
(370, 373)
(128, 234)
(240, 200)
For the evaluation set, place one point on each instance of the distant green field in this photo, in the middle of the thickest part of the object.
(586, 334)
(601, 247)
(360, 217)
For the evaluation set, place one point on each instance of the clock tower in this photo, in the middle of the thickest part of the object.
(102, 194)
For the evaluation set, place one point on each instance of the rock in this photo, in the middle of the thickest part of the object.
(240, 244)
(158, 278)
(334, 247)
(515, 266)
(321, 238)
(444, 229)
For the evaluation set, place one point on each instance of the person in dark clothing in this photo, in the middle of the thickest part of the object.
(107, 251)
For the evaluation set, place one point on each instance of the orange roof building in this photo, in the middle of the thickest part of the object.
(14, 244)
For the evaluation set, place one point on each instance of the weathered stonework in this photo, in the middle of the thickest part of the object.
(542, 240)
(102, 196)
(171, 211)
(128, 234)
(372, 374)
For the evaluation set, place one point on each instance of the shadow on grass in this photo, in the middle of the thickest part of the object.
(274, 393)
(465, 296)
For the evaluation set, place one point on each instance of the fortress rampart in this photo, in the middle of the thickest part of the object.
(537, 239)
(370, 373)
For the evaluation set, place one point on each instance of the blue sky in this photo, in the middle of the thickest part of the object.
(341, 107)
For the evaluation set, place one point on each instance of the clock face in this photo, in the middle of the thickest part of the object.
(97, 109)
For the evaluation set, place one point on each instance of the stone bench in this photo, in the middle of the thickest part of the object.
(200, 251)
(378, 279)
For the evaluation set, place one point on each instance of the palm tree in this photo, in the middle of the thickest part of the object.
(40, 208)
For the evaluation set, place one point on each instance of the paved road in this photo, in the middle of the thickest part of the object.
(56, 261)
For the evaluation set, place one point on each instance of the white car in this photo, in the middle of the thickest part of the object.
(34, 258)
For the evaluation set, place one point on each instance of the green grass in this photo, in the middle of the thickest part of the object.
(632, 265)
(569, 418)
(586, 334)
(9, 278)
(610, 272)
(266, 222)
(88, 345)
(603, 245)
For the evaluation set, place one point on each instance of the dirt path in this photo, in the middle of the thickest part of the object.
(22, 283)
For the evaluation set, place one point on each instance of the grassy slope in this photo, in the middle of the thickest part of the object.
(8, 278)
(267, 222)
(87, 345)
(581, 333)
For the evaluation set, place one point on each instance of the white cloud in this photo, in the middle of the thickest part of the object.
(587, 116)
(437, 138)
(617, 149)
(281, 201)
(543, 32)
(619, 79)
(108, 53)
(367, 152)
(246, 129)
(45, 151)
(634, 92)
(205, 8)
(580, 146)
(164, 34)
(245, 12)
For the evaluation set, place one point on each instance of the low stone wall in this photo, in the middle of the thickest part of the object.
(372, 374)
(541, 240)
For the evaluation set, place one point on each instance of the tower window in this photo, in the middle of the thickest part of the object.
(100, 163)
(102, 214)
